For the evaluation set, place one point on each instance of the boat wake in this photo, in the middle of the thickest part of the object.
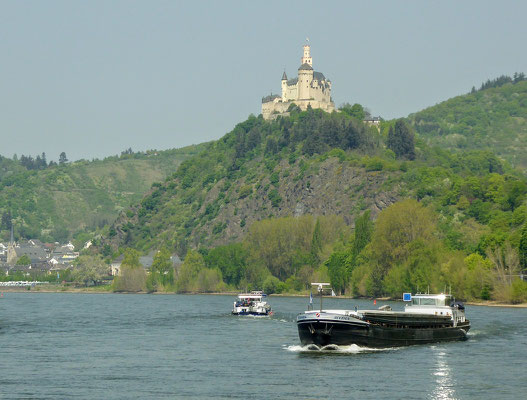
(333, 348)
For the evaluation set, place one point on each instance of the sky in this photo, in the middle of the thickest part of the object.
(93, 78)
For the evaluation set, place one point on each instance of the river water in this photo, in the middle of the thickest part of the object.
(108, 346)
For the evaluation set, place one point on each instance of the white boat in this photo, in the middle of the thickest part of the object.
(251, 304)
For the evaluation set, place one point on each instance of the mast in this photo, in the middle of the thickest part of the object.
(320, 288)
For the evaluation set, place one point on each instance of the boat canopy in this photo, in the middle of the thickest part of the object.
(440, 300)
(256, 295)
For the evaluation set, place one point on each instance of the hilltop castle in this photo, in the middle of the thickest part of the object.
(310, 88)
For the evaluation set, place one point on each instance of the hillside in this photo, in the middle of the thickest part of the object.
(488, 119)
(311, 163)
(63, 200)
(258, 170)
(317, 197)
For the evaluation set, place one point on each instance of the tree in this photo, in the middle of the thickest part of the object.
(231, 260)
(23, 260)
(316, 243)
(363, 231)
(192, 266)
(355, 110)
(6, 221)
(523, 248)
(133, 276)
(161, 271)
(339, 270)
(401, 229)
(131, 258)
(89, 269)
(62, 158)
(401, 140)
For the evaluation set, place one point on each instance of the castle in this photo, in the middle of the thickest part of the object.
(311, 88)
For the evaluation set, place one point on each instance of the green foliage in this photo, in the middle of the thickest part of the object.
(355, 110)
(316, 244)
(89, 270)
(272, 285)
(194, 276)
(401, 140)
(131, 280)
(274, 197)
(133, 275)
(231, 260)
(23, 260)
(161, 277)
(493, 118)
(523, 248)
(363, 233)
(339, 270)
(56, 203)
(131, 258)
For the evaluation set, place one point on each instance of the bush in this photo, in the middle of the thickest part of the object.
(132, 279)
(272, 285)
(518, 291)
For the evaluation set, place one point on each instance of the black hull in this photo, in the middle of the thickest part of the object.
(323, 333)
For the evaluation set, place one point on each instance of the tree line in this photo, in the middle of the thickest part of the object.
(39, 162)
(500, 81)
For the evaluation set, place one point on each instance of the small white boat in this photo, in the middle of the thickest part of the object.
(251, 304)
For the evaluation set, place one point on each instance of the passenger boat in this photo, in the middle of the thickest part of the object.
(251, 304)
(427, 318)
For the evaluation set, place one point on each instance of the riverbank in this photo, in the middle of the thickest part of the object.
(108, 289)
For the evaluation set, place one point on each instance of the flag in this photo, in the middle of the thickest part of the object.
(310, 297)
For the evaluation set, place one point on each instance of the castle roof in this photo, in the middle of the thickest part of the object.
(269, 98)
(284, 77)
(292, 82)
(319, 76)
(305, 66)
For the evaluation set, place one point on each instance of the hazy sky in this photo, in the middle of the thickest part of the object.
(93, 78)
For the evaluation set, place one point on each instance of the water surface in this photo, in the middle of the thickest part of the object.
(107, 346)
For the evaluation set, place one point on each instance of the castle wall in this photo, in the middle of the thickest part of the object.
(291, 92)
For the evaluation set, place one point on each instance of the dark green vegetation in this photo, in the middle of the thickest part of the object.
(54, 202)
(258, 170)
(235, 203)
(493, 118)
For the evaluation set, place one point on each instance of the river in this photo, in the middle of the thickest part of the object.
(109, 346)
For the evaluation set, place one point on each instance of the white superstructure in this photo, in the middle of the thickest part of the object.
(251, 304)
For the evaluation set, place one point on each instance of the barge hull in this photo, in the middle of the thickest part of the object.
(323, 333)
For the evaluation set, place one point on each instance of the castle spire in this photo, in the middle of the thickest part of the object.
(306, 59)
(284, 76)
(12, 239)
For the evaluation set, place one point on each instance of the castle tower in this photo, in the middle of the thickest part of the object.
(306, 59)
(305, 77)
(284, 86)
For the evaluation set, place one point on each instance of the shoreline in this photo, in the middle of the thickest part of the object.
(62, 289)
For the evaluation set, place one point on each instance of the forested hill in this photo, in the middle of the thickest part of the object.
(56, 202)
(492, 118)
(318, 164)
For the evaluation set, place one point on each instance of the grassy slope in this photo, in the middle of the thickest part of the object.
(492, 119)
(83, 195)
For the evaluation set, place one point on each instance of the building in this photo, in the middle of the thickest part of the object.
(64, 254)
(310, 88)
(373, 121)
